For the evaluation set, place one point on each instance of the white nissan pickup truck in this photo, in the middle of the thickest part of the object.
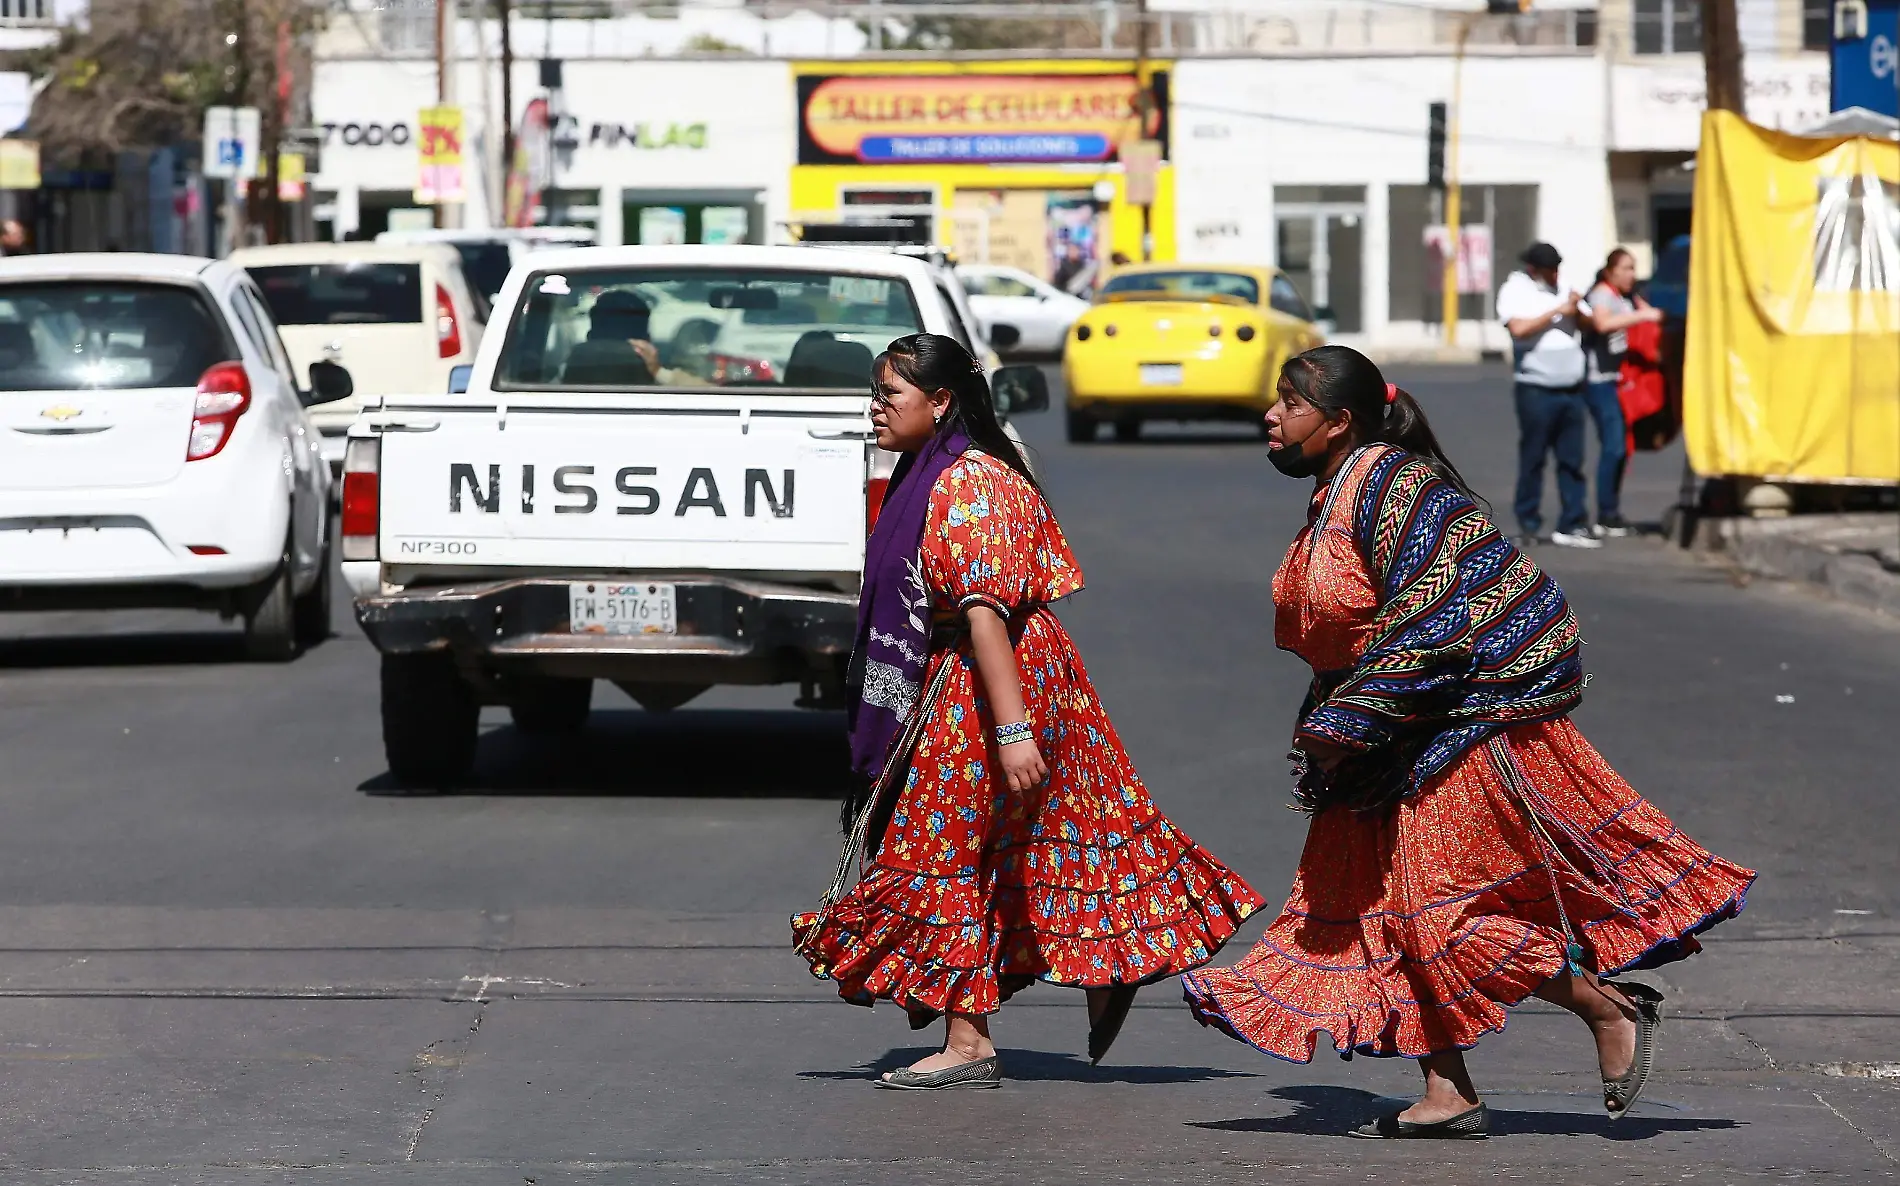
(659, 472)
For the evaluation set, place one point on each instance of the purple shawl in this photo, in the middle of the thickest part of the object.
(892, 650)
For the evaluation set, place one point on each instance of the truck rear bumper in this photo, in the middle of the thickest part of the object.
(731, 631)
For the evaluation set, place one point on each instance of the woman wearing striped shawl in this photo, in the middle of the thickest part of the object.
(1468, 848)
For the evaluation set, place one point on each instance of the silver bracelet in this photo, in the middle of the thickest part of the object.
(1014, 732)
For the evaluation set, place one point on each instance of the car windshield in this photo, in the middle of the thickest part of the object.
(611, 328)
(1177, 286)
(94, 336)
(342, 293)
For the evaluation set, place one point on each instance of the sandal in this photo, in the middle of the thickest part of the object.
(1620, 1094)
(1474, 1125)
(984, 1072)
(1105, 1029)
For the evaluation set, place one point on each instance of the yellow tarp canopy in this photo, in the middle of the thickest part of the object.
(1792, 365)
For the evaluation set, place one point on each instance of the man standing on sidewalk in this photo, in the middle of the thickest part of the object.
(1548, 362)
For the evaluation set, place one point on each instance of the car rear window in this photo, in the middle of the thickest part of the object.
(106, 336)
(342, 293)
(1183, 286)
(607, 329)
(486, 265)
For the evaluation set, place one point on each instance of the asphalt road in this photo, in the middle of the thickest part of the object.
(229, 955)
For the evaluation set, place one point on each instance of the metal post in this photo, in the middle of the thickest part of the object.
(1453, 196)
(1145, 101)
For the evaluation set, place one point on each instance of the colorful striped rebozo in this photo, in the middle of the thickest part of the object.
(1471, 637)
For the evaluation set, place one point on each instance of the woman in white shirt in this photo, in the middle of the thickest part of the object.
(1608, 311)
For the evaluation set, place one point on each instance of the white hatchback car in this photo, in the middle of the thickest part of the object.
(1041, 312)
(400, 317)
(154, 448)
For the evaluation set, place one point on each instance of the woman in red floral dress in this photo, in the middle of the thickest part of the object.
(1469, 849)
(1006, 837)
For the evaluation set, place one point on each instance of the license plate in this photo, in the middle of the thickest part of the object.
(1160, 374)
(602, 608)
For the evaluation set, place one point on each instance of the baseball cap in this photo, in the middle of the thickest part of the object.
(1541, 255)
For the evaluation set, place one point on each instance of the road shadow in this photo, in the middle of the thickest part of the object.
(1041, 1066)
(166, 648)
(691, 753)
(1324, 1111)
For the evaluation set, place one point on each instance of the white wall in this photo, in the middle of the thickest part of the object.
(747, 109)
(1242, 127)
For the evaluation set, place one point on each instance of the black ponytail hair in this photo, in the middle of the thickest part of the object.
(934, 362)
(1339, 379)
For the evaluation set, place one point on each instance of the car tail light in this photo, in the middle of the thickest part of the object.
(224, 392)
(1245, 333)
(448, 329)
(1082, 333)
(874, 490)
(362, 497)
(1109, 330)
(1213, 331)
(730, 368)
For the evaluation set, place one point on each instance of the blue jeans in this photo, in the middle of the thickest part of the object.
(1550, 420)
(1607, 411)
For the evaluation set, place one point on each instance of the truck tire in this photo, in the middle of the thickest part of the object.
(312, 610)
(545, 704)
(1081, 428)
(430, 720)
(270, 628)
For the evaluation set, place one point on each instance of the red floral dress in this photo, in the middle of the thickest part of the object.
(1410, 930)
(976, 890)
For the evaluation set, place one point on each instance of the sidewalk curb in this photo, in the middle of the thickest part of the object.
(1838, 553)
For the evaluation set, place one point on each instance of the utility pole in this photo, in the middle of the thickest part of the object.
(441, 83)
(1144, 104)
(507, 104)
(1722, 56)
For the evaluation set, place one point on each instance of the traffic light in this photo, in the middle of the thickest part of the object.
(1435, 149)
(1507, 7)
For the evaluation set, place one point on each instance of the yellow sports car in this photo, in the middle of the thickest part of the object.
(1182, 342)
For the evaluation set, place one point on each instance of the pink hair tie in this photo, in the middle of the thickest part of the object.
(1391, 392)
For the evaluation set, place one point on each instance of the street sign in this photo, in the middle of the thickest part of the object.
(233, 138)
(439, 152)
(19, 164)
(1865, 55)
(1141, 159)
(291, 177)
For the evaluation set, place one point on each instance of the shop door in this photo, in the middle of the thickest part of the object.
(1320, 246)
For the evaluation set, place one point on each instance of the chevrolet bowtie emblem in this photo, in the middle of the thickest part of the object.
(61, 412)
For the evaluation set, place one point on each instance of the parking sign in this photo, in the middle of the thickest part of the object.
(233, 138)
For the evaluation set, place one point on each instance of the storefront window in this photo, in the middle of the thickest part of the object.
(660, 219)
(1509, 210)
(571, 207)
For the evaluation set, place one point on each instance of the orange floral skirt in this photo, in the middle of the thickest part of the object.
(1410, 931)
(975, 891)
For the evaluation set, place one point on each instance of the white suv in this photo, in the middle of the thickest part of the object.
(401, 317)
(154, 449)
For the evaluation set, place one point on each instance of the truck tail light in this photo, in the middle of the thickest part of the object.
(731, 368)
(224, 392)
(448, 329)
(362, 497)
(874, 489)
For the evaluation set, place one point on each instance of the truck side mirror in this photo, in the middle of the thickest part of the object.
(1020, 389)
(329, 383)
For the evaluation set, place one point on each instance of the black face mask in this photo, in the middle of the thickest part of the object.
(1291, 459)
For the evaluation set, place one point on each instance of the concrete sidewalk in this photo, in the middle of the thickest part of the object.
(1854, 558)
